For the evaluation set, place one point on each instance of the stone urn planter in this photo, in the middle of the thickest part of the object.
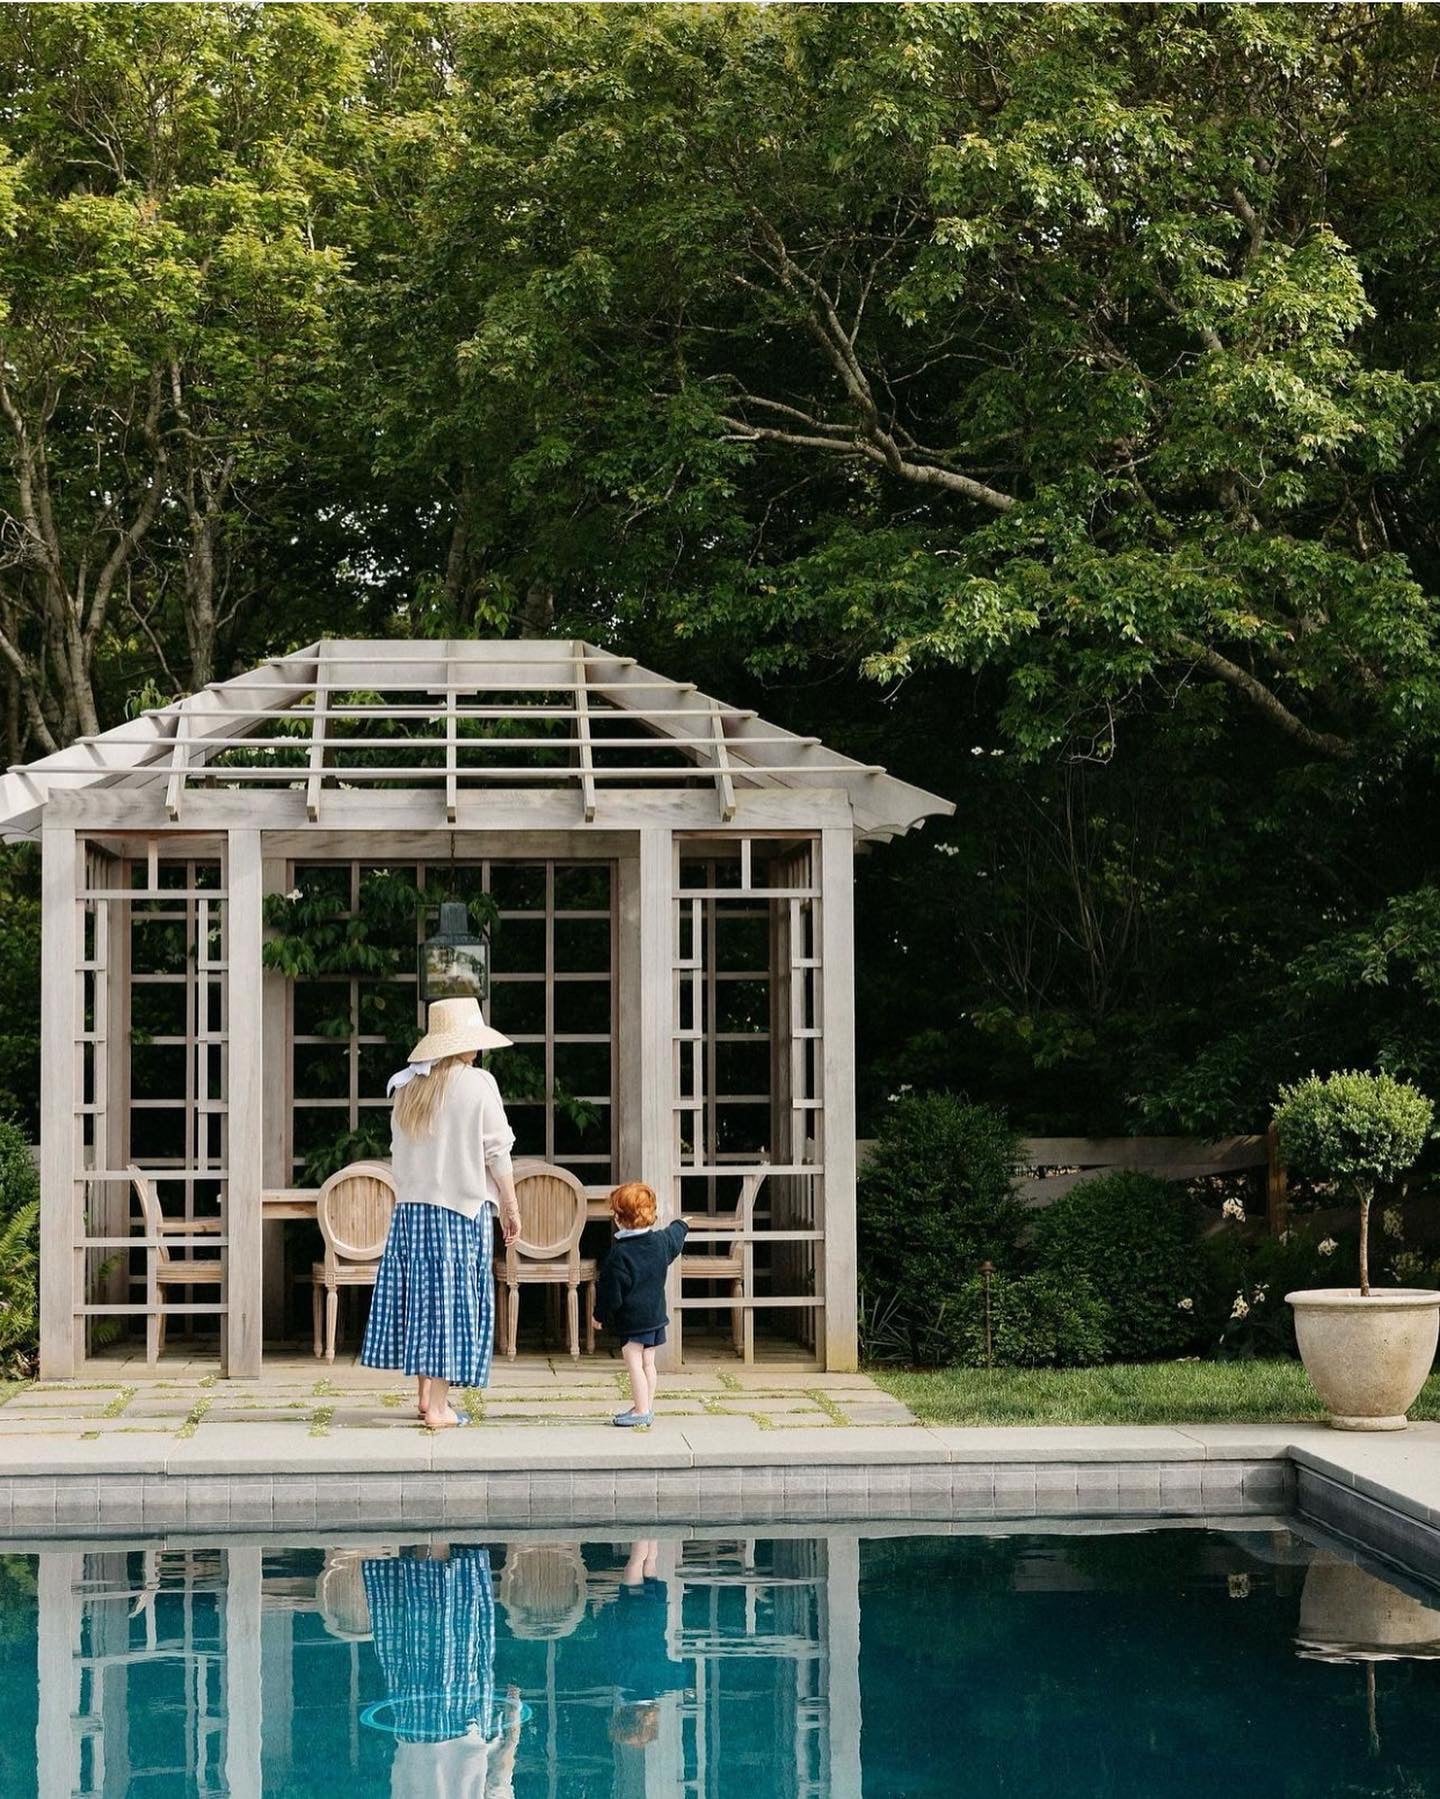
(1368, 1355)
(1367, 1351)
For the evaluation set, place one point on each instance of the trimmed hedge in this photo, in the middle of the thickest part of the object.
(935, 1201)
(1036, 1321)
(1136, 1240)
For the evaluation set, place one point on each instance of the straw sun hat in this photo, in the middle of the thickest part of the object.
(455, 1026)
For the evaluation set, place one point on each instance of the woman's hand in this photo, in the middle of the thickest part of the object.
(509, 1205)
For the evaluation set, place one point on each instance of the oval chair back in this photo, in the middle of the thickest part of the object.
(353, 1211)
(547, 1251)
(552, 1213)
(543, 1589)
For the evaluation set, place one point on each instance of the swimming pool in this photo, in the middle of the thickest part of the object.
(1098, 1660)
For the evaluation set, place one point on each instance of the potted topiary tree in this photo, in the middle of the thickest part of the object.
(1367, 1353)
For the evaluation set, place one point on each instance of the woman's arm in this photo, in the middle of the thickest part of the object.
(498, 1138)
(509, 1205)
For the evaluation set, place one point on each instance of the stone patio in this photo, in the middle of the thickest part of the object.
(299, 1398)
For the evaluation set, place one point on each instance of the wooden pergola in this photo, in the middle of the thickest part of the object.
(672, 883)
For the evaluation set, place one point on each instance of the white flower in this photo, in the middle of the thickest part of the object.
(1240, 1309)
(295, 893)
(1285, 1236)
(1257, 1298)
(1234, 1208)
(1186, 1305)
(1327, 1246)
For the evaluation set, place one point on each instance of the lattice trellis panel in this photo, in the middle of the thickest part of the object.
(747, 1071)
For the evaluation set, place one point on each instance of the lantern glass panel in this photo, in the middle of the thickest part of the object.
(453, 970)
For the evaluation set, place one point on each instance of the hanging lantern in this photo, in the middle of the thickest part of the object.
(454, 962)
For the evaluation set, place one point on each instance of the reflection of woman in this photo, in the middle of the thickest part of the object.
(433, 1313)
(433, 1617)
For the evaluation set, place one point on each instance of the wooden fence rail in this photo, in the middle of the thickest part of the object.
(1050, 1166)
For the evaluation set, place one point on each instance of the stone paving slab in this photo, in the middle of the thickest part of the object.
(298, 1401)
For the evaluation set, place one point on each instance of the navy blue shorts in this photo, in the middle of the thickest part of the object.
(648, 1339)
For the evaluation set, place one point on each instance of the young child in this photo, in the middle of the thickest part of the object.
(630, 1294)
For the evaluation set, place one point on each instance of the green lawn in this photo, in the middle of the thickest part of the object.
(1148, 1393)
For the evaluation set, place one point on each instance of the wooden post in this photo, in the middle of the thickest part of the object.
(628, 1075)
(245, 1140)
(1277, 1194)
(274, 1160)
(655, 1044)
(837, 1130)
(61, 1332)
(116, 1140)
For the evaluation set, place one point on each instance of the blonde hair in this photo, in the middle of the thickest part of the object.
(418, 1103)
(632, 1205)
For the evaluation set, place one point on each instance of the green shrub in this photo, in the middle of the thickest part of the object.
(935, 1201)
(1036, 1321)
(1135, 1239)
(1356, 1129)
(19, 1255)
(19, 1177)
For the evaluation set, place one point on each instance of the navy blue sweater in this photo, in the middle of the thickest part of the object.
(630, 1293)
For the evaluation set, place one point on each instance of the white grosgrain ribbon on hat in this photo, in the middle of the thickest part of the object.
(403, 1076)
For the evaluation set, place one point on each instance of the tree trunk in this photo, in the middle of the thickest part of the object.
(1367, 1193)
(537, 615)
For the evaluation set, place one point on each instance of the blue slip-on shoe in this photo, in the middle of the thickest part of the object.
(633, 1420)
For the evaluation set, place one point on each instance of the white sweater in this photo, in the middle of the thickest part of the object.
(455, 1165)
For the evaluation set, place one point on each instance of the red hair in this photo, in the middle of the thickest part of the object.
(632, 1206)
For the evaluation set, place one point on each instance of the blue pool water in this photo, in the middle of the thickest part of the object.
(1165, 1662)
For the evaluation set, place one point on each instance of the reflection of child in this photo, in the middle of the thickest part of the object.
(635, 1726)
(630, 1293)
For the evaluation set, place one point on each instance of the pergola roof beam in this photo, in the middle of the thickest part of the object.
(584, 692)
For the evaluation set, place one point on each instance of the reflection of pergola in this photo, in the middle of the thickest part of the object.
(218, 1640)
(672, 879)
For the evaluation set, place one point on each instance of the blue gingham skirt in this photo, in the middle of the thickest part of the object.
(434, 1306)
(434, 1627)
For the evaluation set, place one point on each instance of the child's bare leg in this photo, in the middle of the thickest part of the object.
(650, 1378)
(634, 1358)
(422, 1394)
(635, 1567)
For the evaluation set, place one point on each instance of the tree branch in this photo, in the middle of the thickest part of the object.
(1323, 743)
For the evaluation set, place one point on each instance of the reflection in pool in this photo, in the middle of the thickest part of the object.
(1098, 1661)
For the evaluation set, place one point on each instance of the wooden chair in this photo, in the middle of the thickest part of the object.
(353, 1211)
(162, 1270)
(735, 1263)
(547, 1251)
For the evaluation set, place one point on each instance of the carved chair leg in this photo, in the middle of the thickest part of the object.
(572, 1319)
(315, 1309)
(512, 1322)
(332, 1319)
(737, 1317)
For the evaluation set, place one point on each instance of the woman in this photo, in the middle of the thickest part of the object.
(434, 1308)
